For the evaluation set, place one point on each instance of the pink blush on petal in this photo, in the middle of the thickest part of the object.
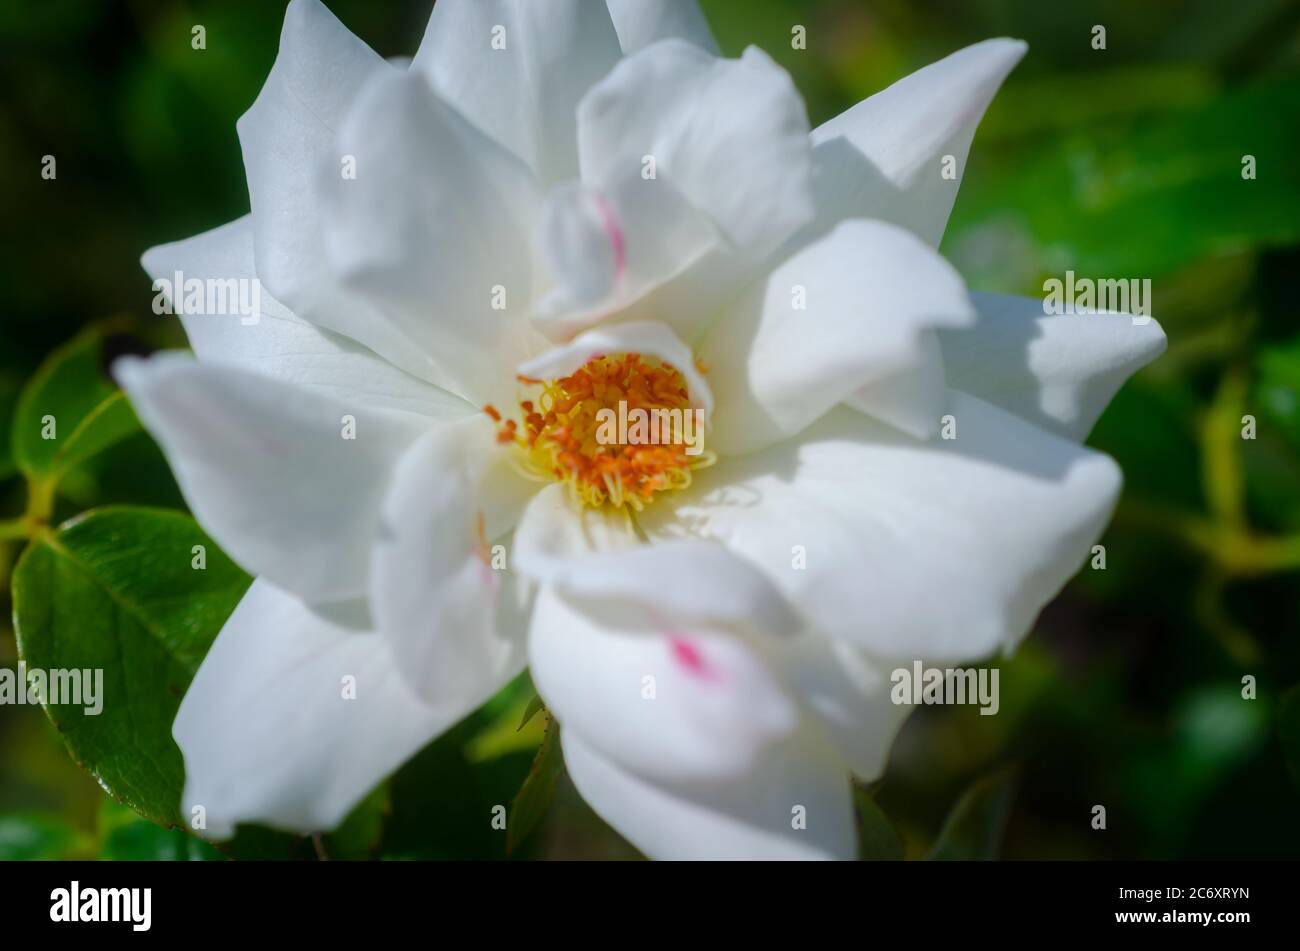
(609, 218)
(689, 656)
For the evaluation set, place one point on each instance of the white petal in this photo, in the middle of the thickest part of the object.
(753, 818)
(884, 158)
(945, 549)
(691, 301)
(554, 534)
(1057, 371)
(267, 471)
(649, 339)
(436, 231)
(842, 313)
(582, 242)
(679, 142)
(637, 590)
(607, 249)
(642, 22)
(594, 554)
(517, 69)
(453, 622)
(281, 345)
(721, 131)
(665, 699)
(266, 728)
(288, 137)
(913, 398)
(849, 694)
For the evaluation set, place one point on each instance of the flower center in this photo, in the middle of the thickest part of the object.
(617, 431)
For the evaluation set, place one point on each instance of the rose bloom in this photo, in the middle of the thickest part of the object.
(559, 206)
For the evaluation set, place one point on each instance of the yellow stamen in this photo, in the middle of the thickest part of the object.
(561, 434)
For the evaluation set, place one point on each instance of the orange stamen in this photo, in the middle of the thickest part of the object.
(560, 433)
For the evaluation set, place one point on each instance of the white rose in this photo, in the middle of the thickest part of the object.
(548, 189)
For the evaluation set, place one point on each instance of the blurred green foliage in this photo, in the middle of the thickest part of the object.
(1120, 163)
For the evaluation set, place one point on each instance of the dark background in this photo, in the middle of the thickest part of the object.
(1123, 162)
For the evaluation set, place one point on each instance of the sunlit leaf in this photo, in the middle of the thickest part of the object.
(539, 787)
(115, 591)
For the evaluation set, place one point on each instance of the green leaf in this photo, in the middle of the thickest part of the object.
(974, 827)
(878, 840)
(465, 795)
(254, 843)
(359, 835)
(534, 796)
(1288, 730)
(535, 705)
(1137, 198)
(107, 424)
(1278, 385)
(115, 591)
(1052, 104)
(34, 837)
(509, 732)
(1272, 461)
(125, 837)
(71, 400)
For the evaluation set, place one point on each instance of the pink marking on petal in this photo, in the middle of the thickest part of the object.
(690, 657)
(609, 218)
